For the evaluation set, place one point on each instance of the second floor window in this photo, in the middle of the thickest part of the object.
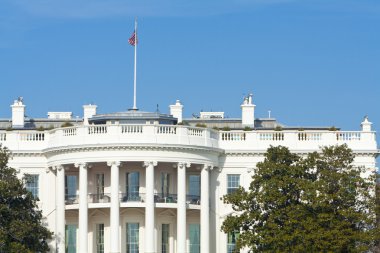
(233, 183)
(31, 184)
(100, 184)
(133, 185)
(165, 184)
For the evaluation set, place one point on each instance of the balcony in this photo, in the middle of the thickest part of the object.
(295, 140)
(108, 134)
(132, 198)
(182, 135)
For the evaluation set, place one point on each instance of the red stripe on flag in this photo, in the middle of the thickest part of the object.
(133, 40)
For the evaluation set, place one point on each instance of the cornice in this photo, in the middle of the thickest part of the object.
(27, 154)
(258, 153)
(142, 147)
(153, 147)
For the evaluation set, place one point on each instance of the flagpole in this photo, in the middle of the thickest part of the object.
(134, 82)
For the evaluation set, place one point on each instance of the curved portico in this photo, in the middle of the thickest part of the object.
(163, 182)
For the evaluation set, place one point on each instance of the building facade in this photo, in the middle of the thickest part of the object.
(149, 182)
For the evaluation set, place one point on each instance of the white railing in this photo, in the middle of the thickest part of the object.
(195, 131)
(97, 129)
(348, 136)
(183, 135)
(166, 129)
(233, 136)
(32, 136)
(131, 129)
(72, 131)
(306, 136)
(274, 136)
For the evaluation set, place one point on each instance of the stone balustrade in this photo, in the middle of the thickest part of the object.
(17, 140)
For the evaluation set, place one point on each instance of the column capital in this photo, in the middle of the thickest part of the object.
(182, 165)
(147, 163)
(50, 168)
(207, 167)
(60, 167)
(113, 163)
(81, 164)
(55, 168)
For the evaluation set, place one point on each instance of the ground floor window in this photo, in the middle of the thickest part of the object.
(133, 237)
(99, 238)
(165, 238)
(194, 236)
(231, 241)
(71, 238)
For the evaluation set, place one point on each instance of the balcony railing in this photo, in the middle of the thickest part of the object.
(71, 199)
(17, 140)
(165, 198)
(193, 199)
(132, 197)
(99, 198)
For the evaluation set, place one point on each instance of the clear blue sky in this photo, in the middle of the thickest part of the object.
(312, 63)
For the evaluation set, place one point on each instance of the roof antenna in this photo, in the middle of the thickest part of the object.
(269, 114)
(157, 110)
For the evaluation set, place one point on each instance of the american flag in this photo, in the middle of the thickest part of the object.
(133, 39)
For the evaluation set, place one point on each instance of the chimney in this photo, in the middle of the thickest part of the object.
(88, 112)
(18, 113)
(248, 112)
(176, 110)
(366, 125)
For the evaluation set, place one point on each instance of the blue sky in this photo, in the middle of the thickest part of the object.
(311, 62)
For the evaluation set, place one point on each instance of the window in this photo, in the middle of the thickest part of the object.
(194, 189)
(71, 238)
(99, 187)
(194, 236)
(132, 237)
(99, 238)
(165, 179)
(231, 241)
(32, 184)
(165, 238)
(70, 189)
(133, 186)
(233, 183)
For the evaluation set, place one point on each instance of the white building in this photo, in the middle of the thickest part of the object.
(149, 182)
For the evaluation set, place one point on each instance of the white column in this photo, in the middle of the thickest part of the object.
(115, 211)
(181, 207)
(205, 210)
(83, 208)
(150, 244)
(60, 195)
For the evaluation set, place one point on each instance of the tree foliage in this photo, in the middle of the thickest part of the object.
(20, 220)
(319, 203)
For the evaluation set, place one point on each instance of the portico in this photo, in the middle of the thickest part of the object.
(161, 186)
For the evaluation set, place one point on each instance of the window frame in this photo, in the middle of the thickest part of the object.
(232, 186)
(32, 186)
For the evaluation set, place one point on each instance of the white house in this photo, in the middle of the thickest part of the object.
(137, 181)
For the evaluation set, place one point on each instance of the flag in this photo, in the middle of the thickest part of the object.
(133, 39)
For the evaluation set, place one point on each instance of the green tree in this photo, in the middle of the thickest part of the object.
(20, 220)
(320, 203)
